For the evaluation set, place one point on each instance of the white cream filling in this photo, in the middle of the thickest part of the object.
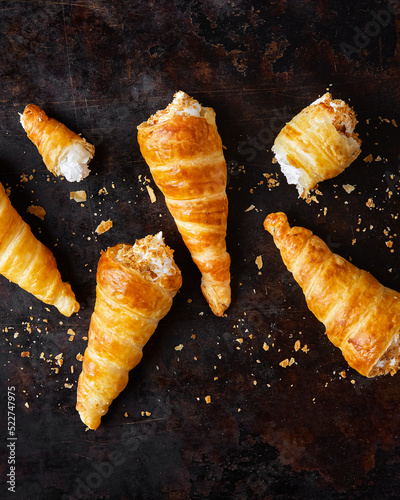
(182, 105)
(392, 361)
(74, 163)
(159, 266)
(291, 173)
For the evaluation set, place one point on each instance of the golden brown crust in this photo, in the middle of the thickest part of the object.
(361, 316)
(51, 137)
(319, 142)
(28, 263)
(185, 157)
(127, 311)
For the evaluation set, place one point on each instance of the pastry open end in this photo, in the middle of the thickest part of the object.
(183, 149)
(24, 260)
(64, 152)
(318, 143)
(135, 287)
(361, 316)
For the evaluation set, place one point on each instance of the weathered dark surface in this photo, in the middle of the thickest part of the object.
(269, 432)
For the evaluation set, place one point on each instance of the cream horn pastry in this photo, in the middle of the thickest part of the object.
(24, 260)
(64, 152)
(318, 143)
(361, 316)
(135, 287)
(183, 149)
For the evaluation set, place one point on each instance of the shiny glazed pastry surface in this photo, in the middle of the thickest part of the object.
(24, 260)
(183, 149)
(318, 143)
(135, 288)
(64, 152)
(361, 316)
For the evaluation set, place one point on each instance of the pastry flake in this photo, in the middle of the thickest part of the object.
(318, 143)
(135, 287)
(24, 260)
(361, 316)
(64, 152)
(183, 149)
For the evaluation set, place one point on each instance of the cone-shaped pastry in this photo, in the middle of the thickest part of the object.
(318, 143)
(64, 153)
(28, 263)
(183, 149)
(361, 316)
(135, 288)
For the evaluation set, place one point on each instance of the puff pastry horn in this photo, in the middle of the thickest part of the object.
(28, 263)
(183, 149)
(135, 288)
(64, 152)
(361, 316)
(318, 143)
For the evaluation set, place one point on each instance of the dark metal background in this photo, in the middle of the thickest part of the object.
(269, 433)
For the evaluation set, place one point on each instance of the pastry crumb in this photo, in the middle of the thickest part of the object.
(104, 226)
(370, 203)
(348, 188)
(25, 354)
(251, 207)
(152, 195)
(259, 261)
(78, 196)
(37, 210)
(368, 159)
(208, 399)
(179, 347)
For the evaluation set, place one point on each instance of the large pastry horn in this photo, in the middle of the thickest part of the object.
(361, 316)
(135, 288)
(24, 260)
(183, 149)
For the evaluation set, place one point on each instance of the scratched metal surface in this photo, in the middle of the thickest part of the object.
(269, 432)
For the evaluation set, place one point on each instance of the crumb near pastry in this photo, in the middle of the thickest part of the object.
(104, 226)
(38, 211)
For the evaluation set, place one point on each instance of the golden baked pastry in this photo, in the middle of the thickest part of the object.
(318, 143)
(64, 152)
(135, 287)
(183, 149)
(361, 316)
(24, 260)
